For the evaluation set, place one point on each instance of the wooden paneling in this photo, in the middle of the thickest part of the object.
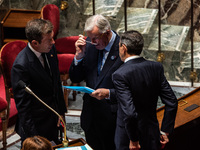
(14, 23)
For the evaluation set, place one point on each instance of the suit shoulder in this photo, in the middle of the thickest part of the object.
(21, 58)
(122, 69)
(158, 64)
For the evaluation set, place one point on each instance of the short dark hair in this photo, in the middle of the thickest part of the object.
(133, 40)
(36, 28)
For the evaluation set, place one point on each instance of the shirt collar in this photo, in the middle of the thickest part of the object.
(108, 47)
(38, 54)
(131, 57)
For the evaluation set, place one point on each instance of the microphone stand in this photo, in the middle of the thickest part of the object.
(65, 141)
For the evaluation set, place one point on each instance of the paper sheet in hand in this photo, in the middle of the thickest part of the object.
(80, 88)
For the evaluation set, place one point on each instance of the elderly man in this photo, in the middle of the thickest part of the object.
(95, 60)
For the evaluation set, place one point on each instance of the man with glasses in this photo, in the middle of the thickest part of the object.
(96, 58)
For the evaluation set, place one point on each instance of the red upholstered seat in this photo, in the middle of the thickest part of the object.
(3, 116)
(64, 62)
(3, 104)
(65, 46)
(7, 57)
(66, 49)
(8, 54)
(51, 12)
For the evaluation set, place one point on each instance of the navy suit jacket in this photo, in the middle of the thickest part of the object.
(87, 70)
(138, 84)
(33, 117)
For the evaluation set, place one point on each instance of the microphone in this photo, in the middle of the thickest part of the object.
(28, 90)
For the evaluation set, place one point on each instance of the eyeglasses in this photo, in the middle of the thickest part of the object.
(98, 37)
(94, 39)
(91, 42)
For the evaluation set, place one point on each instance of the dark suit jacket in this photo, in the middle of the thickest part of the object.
(138, 84)
(87, 70)
(33, 117)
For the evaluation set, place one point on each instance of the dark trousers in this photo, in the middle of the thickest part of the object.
(101, 139)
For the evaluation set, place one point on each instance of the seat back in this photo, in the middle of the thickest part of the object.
(3, 108)
(7, 57)
(66, 45)
(51, 12)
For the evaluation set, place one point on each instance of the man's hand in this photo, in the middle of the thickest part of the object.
(100, 94)
(134, 145)
(80, 47)
(59, 121)
(163, 140)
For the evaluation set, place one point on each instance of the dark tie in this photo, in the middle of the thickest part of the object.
(100, 58)
(46, 67)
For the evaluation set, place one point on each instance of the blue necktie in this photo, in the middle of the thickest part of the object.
(100, 58)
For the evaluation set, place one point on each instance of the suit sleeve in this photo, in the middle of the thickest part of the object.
(76, 72)
(61, 102)
(22, 99)
(125, 100)
(169, 99)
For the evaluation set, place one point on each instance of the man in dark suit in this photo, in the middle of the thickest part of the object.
(33, 117)
(95, 60)
(138, 84)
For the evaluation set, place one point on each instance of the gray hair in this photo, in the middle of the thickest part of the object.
(97, 20)
(36, 28)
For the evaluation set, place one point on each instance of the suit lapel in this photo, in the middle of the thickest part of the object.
(37, 68)
(94, 65)
(112, 56)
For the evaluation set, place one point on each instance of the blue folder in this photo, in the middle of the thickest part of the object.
(80, 88)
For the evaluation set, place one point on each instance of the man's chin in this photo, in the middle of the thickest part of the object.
(99, 47)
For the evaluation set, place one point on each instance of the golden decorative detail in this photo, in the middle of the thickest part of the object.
(64, 5)
(161, 57)
(193, 75)
(182, 102)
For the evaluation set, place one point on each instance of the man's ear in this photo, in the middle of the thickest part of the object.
(35, 43)
(108, 32)
(124, 48)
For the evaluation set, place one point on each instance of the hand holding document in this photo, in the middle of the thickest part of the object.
(80, 88)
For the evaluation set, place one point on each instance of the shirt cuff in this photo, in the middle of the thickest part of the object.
(162, 133)
(108, 96)
(77, 61)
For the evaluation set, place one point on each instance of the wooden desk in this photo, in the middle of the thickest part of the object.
(14, 23)
(77, 142)
(187, 124)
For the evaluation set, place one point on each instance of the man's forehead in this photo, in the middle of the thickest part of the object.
(94, 31)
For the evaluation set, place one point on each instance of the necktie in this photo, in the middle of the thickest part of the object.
(46, 67)
(100, 58)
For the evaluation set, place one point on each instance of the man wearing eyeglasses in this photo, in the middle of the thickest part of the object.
(96, 58)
